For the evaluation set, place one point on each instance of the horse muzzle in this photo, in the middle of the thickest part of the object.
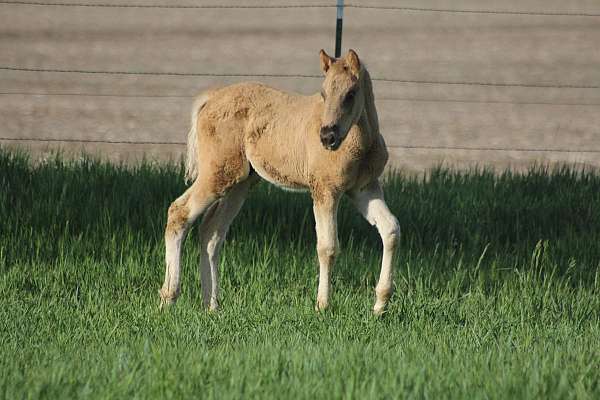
(330, 137)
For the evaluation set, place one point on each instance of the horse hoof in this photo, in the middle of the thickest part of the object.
(379, 309)
(165, 299)
(321, 306)
(213, 307)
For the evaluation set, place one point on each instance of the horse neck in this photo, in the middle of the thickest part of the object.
(369, 118)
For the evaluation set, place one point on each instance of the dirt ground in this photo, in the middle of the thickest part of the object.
(422, 46)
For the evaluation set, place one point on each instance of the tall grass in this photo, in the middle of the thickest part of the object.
(497, 290)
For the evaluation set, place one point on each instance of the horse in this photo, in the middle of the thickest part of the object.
(328, 144)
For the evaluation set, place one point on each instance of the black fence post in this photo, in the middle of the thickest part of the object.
(338, 28)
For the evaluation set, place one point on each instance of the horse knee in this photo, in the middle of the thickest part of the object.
(327, 252)
(213, 243)
(390, 231)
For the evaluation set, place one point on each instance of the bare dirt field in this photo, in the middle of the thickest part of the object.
(487, 81)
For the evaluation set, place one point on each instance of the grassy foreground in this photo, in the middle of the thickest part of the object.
(497, 291)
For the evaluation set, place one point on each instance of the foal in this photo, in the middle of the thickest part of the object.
(328, 144)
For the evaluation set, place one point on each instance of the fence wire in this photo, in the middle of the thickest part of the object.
(398, 146)
(96, 141)
(476, 11)
(312, 76)
(81, 94)
(324, 5)
(169, 6)
(382, 98)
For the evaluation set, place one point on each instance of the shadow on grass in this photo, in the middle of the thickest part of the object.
(98, 206)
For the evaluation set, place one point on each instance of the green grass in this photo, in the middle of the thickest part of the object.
(497, 291)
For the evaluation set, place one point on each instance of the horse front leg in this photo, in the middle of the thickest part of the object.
(369, 201)
(325, 206)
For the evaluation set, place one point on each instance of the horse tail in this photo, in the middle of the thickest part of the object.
(191, 164)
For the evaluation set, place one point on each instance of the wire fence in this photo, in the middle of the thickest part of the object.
(379, 99)
(26, 69)
(399, 146)
(297, 75)
(324, 5)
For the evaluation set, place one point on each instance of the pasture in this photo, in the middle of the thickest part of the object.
(497, 290)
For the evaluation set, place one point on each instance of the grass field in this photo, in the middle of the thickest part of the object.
(497, 291)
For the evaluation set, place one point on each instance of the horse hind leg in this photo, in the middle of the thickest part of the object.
(213, 230)
(218, 175)
(181, 215)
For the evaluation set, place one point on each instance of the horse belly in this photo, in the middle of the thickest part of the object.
(277, 177)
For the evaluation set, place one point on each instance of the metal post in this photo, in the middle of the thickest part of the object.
(338, 28)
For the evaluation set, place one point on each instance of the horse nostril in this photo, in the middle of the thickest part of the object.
(328, 138)
(329, 135)
(329, 129)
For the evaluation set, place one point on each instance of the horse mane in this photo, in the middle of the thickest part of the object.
(370, 110)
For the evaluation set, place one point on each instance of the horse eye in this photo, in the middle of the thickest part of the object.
(349, 97)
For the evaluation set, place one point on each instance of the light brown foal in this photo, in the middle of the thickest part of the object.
(328, 143)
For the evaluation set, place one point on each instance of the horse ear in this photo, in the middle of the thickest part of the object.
(353, 62)
(326, 61)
